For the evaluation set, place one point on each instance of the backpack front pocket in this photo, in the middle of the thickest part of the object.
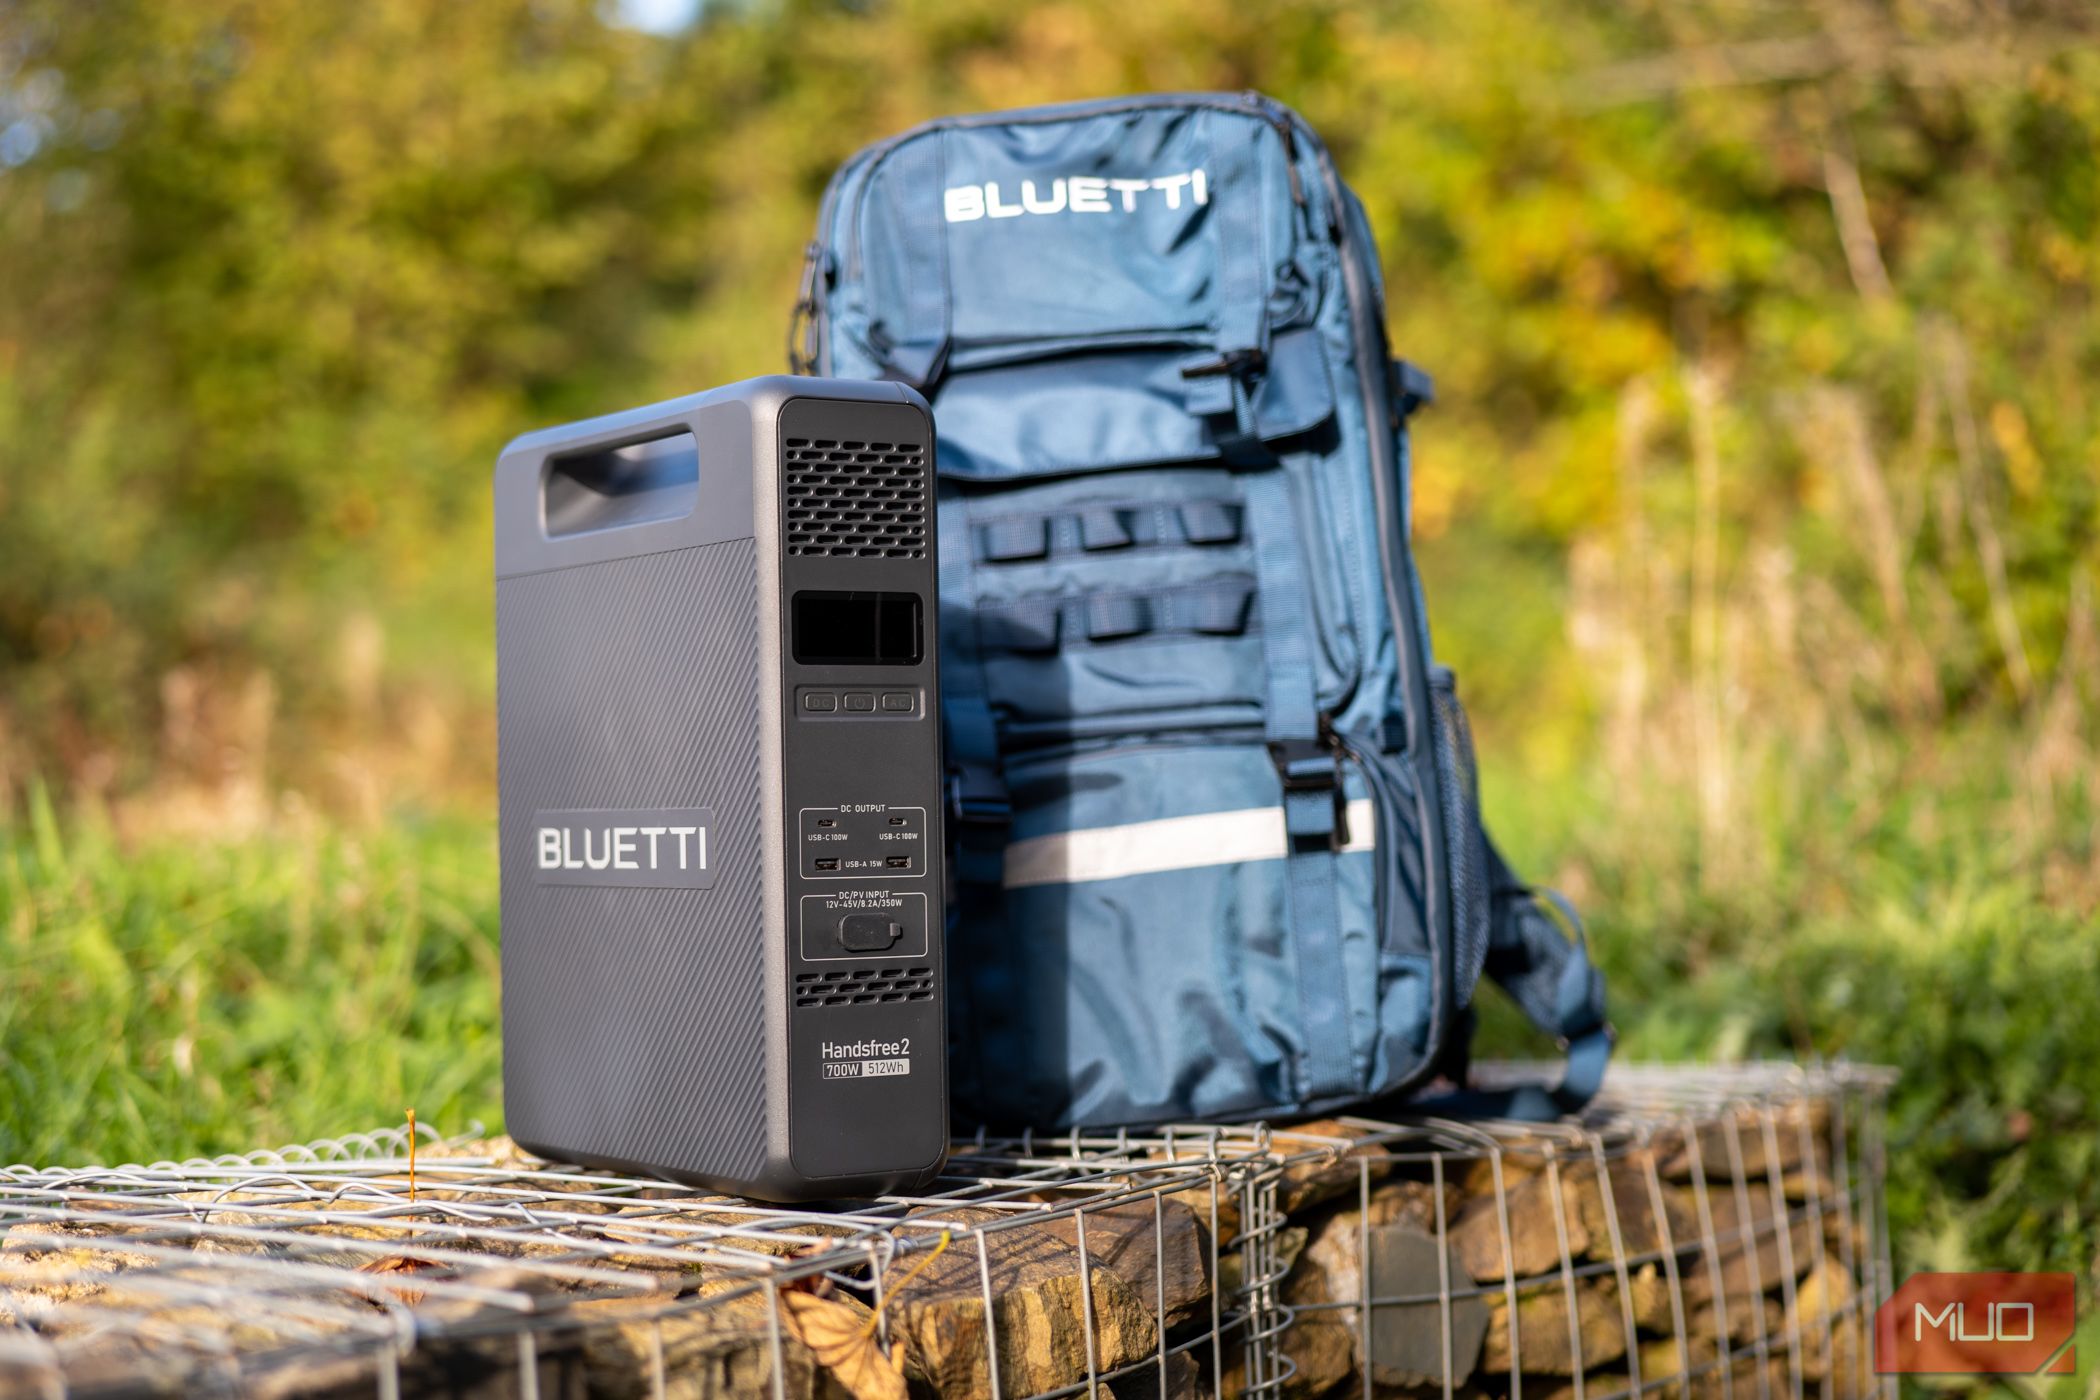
(1134, 601)
(963, 240)
(1100, 408)
(1140, 962)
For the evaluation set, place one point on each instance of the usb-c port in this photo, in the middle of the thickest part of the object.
(827, 862)
(896, 821)
(827, 821)
(898, 862)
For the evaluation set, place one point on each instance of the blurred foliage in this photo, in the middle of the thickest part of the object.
(1758, 514)
(284, 276)
(1906, 937)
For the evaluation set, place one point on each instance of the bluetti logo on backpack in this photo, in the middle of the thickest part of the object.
(659, 847)
(1075, 194)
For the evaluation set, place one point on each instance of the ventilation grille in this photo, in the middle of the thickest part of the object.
(864, 986)
(856, 498)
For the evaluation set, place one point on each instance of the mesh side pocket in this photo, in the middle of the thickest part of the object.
(1458, 785)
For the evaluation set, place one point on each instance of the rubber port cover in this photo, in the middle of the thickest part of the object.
(868, 933)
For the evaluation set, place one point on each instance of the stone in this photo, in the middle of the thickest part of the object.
(1332, 1171)
(1543, 1341)
(1131, 1240)
(720, 1352)
(1758, 1154)
(1636, 1190)
(1322, 1339)
(1184, 1381)
(1038, 1321)
(1663, 1360)
(1532, 1247)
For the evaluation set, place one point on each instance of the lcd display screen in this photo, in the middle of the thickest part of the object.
(857, 629)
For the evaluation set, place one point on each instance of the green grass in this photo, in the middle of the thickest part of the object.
(175, 1000)
(1989, 1006)
(1986, 1002)
(1936, 917)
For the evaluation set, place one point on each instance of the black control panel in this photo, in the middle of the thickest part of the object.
(861, 771)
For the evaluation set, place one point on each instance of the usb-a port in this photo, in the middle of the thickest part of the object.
(898, 862)
(827, 862)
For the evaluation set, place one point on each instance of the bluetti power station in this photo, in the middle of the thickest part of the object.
(720, 779)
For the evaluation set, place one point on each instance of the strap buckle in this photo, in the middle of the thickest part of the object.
(1315, 765)
(977, 798)
(1245, 362)
(1409, 387)
(1306, 765)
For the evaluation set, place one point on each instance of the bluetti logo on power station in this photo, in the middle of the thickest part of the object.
(659, 847)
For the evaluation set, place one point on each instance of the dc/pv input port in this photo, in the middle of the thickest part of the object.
(827, 862)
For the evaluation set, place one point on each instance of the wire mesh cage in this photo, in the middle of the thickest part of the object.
(1698, 1232)
(1328, 1258)
(1041, 1268)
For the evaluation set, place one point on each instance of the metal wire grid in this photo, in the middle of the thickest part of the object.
(256, 1273)
(1829, 1118)
(241, 1273)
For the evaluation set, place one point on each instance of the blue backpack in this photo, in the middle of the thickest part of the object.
(1215, 834)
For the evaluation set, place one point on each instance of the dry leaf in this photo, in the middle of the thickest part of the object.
(817, 1285)
(844, 1344)
(400, 1264)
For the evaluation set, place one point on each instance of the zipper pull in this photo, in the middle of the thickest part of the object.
(802, 321)
(1245, 363)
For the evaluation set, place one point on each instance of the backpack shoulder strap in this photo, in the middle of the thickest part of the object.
(1539, 954)
(1307, 761)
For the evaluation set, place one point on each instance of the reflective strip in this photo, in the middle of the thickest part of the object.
(1171, 843)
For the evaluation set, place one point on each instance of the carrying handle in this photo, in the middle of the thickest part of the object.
(650, 479)
(606, 488)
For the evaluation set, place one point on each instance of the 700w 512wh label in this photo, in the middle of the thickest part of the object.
(867, 1059)
(866, 1069)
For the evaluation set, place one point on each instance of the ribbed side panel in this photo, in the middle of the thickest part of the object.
(633, 1019)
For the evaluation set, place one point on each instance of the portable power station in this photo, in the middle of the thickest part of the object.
(719, 756)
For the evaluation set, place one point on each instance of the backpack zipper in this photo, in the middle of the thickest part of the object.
(1368, 321)
(805, 322)
(812, 306)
